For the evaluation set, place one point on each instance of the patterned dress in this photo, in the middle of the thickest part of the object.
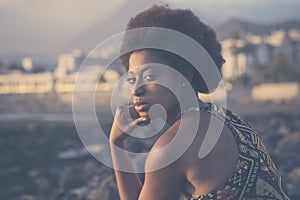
(255, 175)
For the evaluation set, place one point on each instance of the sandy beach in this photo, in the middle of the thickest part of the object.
(43, 157)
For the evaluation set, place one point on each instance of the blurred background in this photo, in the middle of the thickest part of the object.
(43, 44)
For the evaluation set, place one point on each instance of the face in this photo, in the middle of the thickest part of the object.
(144, 79)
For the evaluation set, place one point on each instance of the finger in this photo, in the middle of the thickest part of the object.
(133, 113)
(128, 112)
(122, 114)
(136, 122)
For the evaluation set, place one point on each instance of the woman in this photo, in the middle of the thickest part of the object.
(238, 166)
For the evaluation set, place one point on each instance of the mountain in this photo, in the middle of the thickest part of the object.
(235, 26)
(115, 23)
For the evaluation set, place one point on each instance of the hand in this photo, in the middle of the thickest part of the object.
(125, 121)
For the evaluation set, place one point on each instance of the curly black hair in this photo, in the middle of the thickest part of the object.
(183, 21)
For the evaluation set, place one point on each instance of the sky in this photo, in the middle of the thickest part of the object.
(44, 27)
(40, 24)
(253, 10)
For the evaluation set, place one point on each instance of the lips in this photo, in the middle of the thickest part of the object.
(141, 106)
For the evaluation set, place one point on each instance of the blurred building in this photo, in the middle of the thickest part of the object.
(245, 45)
(17, 83)
(27, 64)
(64, 78)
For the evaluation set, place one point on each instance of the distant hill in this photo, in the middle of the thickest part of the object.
(115, 23)
(235, 26)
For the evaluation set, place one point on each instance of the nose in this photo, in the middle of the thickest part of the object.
(138, 90)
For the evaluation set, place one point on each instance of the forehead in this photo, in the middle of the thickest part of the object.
(139, 58)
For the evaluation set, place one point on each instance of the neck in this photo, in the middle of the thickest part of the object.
(175, 113)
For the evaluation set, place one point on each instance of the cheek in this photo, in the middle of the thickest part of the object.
(160, 93)
(164, 95)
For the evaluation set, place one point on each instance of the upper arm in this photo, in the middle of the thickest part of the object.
(163, 183)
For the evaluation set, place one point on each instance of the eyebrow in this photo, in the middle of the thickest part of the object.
(144, 68)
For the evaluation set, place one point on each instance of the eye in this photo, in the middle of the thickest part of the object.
(131, 80)
(149, 77)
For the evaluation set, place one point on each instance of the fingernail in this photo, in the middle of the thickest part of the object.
(143, 119)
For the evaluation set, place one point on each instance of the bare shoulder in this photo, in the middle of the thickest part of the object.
(159, 152)
(189, 171)
(189, 129)
(166, 137)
